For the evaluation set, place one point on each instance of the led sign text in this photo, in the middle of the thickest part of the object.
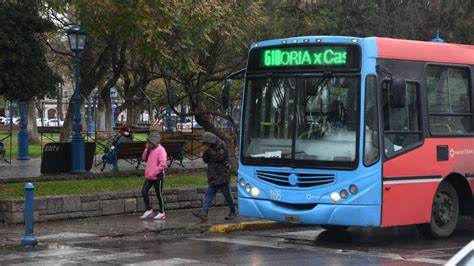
(301, 57)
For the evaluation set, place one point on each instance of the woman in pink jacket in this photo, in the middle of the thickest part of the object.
(155, 157)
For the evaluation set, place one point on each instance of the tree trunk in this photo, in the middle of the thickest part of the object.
(129, 108)
(67, 127)
(31, 125)
(101, 116)
(133, 112)
(59, 105)
(108, 118)
(137, 110)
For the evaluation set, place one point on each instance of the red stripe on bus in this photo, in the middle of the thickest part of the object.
(425, 51)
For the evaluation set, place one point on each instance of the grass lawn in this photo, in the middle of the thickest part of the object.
(35, 150)
(89, 186)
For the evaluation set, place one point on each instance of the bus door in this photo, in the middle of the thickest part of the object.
(401, 135)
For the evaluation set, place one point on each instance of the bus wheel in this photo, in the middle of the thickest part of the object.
(331, 227)
(444, 213)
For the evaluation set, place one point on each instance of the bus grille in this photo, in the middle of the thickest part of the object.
(295, 180)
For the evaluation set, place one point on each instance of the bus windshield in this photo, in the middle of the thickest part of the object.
(301, 121)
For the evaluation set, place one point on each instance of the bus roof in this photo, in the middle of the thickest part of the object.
(425, 51)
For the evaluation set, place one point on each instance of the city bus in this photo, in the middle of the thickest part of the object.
(345, 131)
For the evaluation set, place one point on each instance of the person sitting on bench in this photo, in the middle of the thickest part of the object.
(110, 154)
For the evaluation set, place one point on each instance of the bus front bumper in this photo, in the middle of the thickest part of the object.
(337, 214)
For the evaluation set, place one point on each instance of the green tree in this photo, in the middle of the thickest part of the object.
(416, 20)
(208, 40)
(195, 44)
(24, 72)
(118, 37)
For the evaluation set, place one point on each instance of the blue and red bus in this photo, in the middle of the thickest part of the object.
(344, 131)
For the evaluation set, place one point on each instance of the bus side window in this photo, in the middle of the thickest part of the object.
(449, 100)
(401, 125)
(371, 139)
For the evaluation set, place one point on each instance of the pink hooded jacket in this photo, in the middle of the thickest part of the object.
(156, 162)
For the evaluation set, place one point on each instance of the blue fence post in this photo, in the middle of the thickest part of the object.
(89, 116)
(23, 133)
(29, 239)
(113, 104)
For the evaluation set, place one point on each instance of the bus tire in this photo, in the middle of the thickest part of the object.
(334, 228)
(444, 213)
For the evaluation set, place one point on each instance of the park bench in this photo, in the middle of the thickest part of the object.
(174, 150)
(129, 151)
(132, 152)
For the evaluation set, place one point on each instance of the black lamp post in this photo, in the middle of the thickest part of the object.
(77, 39)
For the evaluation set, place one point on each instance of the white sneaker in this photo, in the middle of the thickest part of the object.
(160, 216)
(147, 214)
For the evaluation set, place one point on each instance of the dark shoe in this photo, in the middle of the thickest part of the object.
(230, 216)
(200, 215)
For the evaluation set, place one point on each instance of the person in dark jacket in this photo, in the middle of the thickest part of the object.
(218, 174)
(124, 135)
(110, 153)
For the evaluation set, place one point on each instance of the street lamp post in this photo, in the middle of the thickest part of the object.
(93, 117)
(113, 99)
(23, 133)
(77, 40)
(438, 38)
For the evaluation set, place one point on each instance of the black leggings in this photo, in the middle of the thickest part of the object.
(158, 184)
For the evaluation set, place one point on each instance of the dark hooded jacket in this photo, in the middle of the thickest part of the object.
(218, 168)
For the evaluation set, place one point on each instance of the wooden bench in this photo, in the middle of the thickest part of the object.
(132, 152)
(174, 150)
(47, 129)
(129, 151)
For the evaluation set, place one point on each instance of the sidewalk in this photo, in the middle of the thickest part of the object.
(31, 169)
(90, 229)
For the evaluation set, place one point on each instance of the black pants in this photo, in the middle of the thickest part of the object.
(158, 184)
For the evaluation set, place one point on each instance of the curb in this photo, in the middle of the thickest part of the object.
(257, 225)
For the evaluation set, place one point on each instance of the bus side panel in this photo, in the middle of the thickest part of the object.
(411, 179)
(407, 203)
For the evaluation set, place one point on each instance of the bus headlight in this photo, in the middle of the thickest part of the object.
(242, 182)
(255, 191)
(344, 194)
(248, 187)
(335, 197)
(353, 189)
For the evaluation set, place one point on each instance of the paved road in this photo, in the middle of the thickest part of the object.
(300, 245)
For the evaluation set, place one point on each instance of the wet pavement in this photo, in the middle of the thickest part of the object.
(182, 239)
(91, 229)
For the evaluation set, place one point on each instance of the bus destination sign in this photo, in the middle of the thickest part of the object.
(305, 58)
(322, 55)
